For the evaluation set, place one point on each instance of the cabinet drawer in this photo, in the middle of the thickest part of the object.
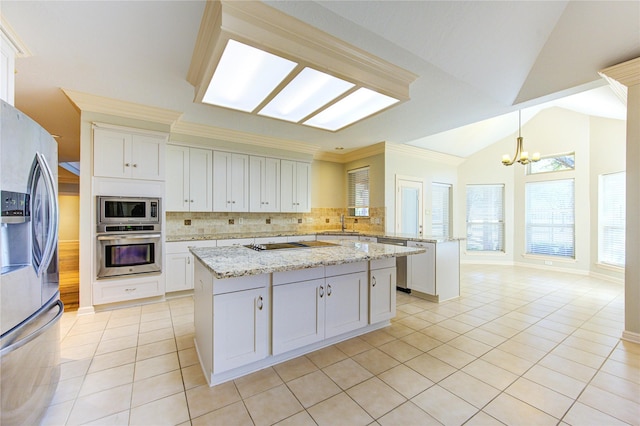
(389, 262)
(231, 285)
(298, 275)
(183, 246)
(346, 268)
(123, 290)
(424, 245)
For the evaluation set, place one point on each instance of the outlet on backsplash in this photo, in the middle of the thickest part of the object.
(268, 221)
(232, 221)
(299, 220)
(187, 222)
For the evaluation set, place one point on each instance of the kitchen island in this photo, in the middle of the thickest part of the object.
(254, 309)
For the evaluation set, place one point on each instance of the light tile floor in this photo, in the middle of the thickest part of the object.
(520, 346)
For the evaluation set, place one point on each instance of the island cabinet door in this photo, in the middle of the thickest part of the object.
(346, 303)
(422, 269)
(240, 323)
(382, 288)
(298, 315)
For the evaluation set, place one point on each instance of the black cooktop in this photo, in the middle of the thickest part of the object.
(289, 245)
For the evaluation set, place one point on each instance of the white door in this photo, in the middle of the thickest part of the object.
(409, 204)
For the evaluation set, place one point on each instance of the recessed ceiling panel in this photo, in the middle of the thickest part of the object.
(307, 92)
(245, 76)
(358, 105)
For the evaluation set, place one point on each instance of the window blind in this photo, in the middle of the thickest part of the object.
(440, 210)
(485, 217)
(612, 219)
(550, 221)
(358, 192)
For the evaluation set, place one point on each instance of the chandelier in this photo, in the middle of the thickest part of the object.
(521, 155)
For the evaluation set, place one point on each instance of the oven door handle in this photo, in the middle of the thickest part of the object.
(128, 237)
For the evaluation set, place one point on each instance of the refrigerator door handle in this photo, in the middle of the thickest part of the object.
(52, 234)
(16, 345)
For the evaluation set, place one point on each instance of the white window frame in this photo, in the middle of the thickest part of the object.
(489, 223)
(611, 219)
(446, 190)
(358, 200)
(547, 157)
(552, 215)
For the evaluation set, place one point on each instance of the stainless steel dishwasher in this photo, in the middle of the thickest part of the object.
(401, 263)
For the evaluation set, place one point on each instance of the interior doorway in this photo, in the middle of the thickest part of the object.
(409, 205)
(68, 239)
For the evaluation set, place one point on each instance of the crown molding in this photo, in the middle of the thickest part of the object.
(357, 154)
(264, 27)
(21, 49)
(211, 132)
(626, 73)
(424, 154)
(87, 102)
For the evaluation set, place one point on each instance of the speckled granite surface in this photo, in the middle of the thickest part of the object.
(204, 237)
(238, 261)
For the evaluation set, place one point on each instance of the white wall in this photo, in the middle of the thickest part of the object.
(427, 166)
(599, 146)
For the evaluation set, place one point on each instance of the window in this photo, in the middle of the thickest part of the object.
(550, 224)
(553, 163)
(358, 192)
(485, 217)
(611, 219)
(440, 210)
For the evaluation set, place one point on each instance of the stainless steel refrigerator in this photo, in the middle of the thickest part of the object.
(30, 306)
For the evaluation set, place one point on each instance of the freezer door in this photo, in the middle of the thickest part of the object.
(44, 222)
(29, 366)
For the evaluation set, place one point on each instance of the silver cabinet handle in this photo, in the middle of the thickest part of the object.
(188, 261)
(321, 291)
(233, 202)
(373, 281)
(260, 303)
(130, 290)
(328, 289)
(228, 202)
(186, 201)
(135, 165)
(192, 201)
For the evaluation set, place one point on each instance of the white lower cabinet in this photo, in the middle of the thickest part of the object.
(179, 272)
(435, 275)
(125, 289)
(382, 290)
(421, 268)
(231, 319)
(332, 303)
(346, 298)
(298, 315)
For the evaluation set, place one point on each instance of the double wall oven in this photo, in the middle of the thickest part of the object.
(129, 236)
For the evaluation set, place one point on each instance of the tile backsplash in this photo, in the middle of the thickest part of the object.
(318, 220)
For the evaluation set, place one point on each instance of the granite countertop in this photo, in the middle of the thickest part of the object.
(204, 237)
(407, 237)
(238, 261)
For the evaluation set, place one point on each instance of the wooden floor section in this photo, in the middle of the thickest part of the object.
(69, 266)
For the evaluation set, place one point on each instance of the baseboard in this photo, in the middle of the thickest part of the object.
(630, 336)
(86, 310)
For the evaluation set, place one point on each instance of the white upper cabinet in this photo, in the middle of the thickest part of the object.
(230, 182)
(120, 153)
(264, 184)
(295, 186)
(189, 179)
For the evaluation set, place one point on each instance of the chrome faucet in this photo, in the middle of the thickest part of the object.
(342, 221)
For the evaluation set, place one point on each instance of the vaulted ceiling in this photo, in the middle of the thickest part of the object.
(476, 60)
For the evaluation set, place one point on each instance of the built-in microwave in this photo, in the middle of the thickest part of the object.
(118, 214)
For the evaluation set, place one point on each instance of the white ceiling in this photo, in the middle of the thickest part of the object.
(476, 60)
